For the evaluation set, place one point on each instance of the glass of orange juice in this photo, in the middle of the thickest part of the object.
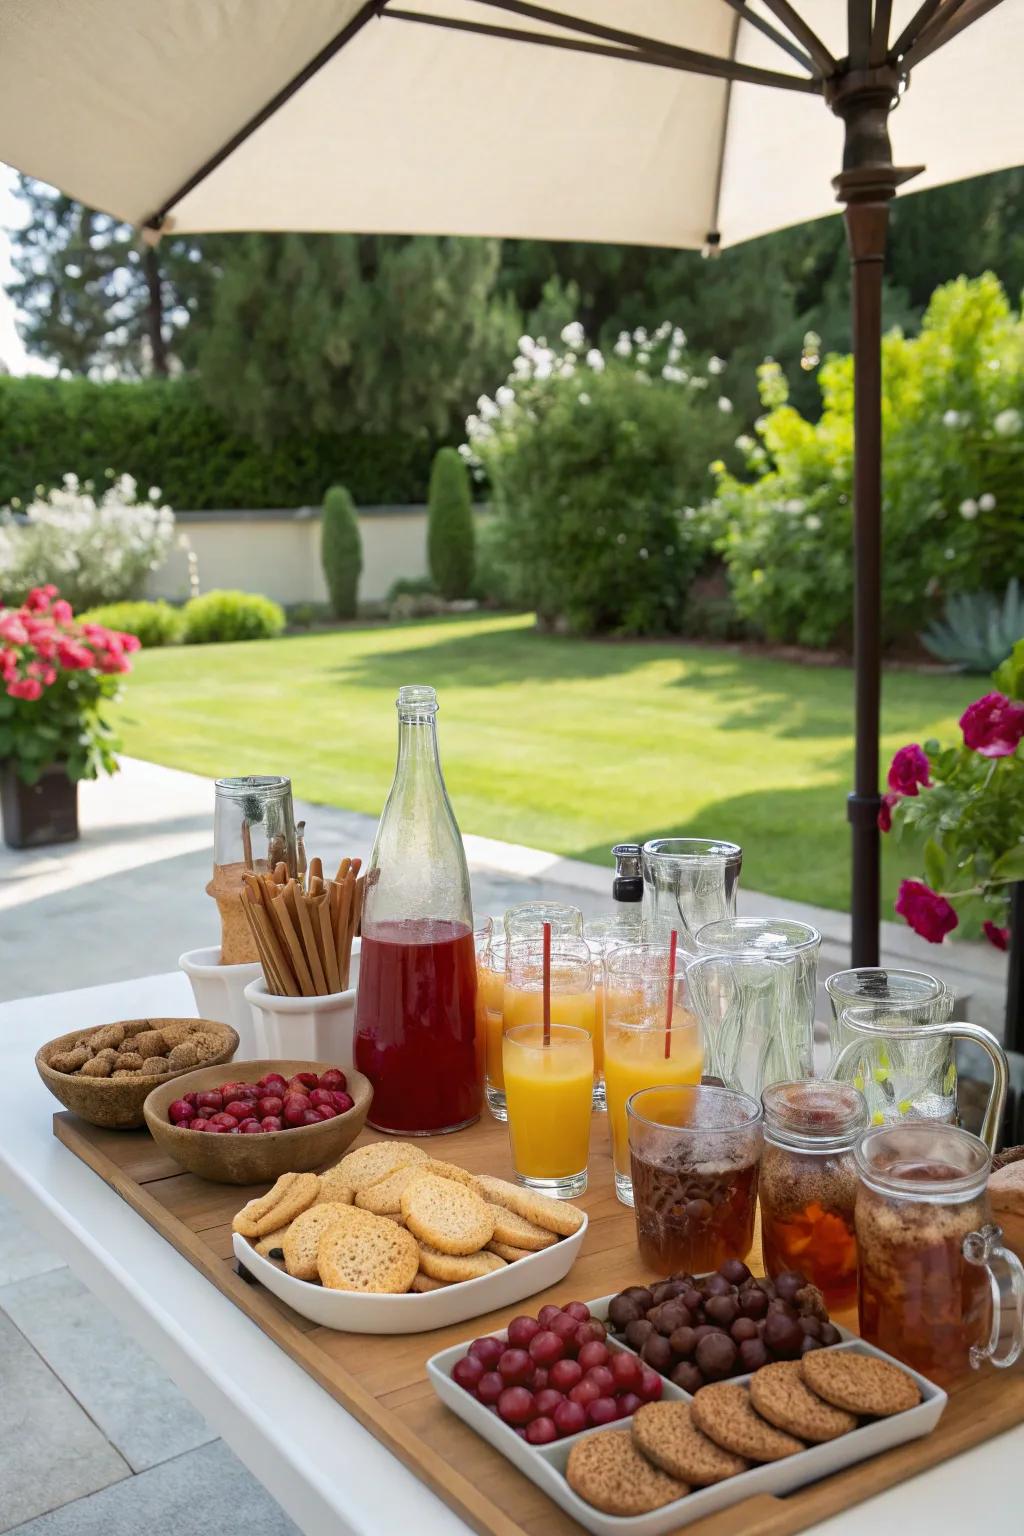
(490, 1000)
(527, 920)
(601, 934)
(573, 996)
(640, 1049)
(549, 1097)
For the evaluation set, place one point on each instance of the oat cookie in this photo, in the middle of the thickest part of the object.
(270, 1246)
(154, 1066)
(299, 1244)
(667, 1436)
(366, 1165)
(385, 1197)
(128, 1061)
(446, 1215)
(422, 1282)
(69, 1061)
(508, 1251)
(97, 1066)
(290, 1196)
(859, 1383)
(780, 1395)
(553, 1215)
(111, 1035)
(367, 1255)
(724, 1412)
(509, 1227)
(609, 1472)
(452, 1267)
(150, 1042)
(334, 1187)
(453, 1171)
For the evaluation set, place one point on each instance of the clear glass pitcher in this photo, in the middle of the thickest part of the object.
(902, 1059)
(688, 882)
(415, 1029)
(929, 1258)
(752, 983)
(882, 987)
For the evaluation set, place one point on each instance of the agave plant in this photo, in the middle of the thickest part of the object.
(978, 630)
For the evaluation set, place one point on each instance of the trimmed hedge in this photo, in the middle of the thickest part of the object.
(164, 433)
(220, 616)
(153, 624)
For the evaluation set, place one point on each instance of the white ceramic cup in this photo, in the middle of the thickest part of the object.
(219, 991)
(310, 1028)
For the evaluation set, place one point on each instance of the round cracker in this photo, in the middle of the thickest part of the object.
(667, 1436)
(367, 1254)
(376, 1160)
(300, 1242)
(452, 1267)
(859, 1383)
(447, 1215)
(780, 1395)
(725, 1413)
(609, 1472)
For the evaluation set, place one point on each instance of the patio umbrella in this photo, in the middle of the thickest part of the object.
(688, 123)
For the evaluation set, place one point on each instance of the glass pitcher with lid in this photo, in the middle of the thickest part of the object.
(415, 1029)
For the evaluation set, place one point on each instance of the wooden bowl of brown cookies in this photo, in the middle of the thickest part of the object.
(103, 1075)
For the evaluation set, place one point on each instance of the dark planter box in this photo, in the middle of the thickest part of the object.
(40, 813)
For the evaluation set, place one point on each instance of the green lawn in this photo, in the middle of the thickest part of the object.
(569, 745)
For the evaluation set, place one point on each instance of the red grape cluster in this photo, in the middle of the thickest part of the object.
(555, 1375)
(274, 1103)
(727, 1324)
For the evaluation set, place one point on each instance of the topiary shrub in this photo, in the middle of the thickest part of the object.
(153, 623)
(219, 616)
(450, 548)
(341, 551)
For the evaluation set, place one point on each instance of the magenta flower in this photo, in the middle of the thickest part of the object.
(993, 725)
(928, 913)
(885, 812)
(908, 769)
(1000, 937)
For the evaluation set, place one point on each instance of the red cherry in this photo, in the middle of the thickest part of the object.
(200, 1123)
(579, 1310)
(546, 1313)
(304, 1080)
(488, 1350)
(251, 1128)
(273, 1083)
(650, 1385)
(272, 1104)
(323, 1112)
(541, 1431)
(547, 1400)
(343, 1102)
(272, 1123)
(294, 1114)
(564, 1374)
(225, 1120)
(180, 1110)
(239, 1109)
(489, 1388)
(627, 1371)
(321, 1096)
(570, 1417)
(467, 1372)
(232, 1130)
(310, 1117)
(213, 1129)
(191, 1098)
(515, 1405)
(593, 1354)
(585, 1392)
(210, 1100)
(628, 1403)
(334, 1079)
(546, 1347)
(521, 1330)
(515, 1367)
(603, 1410)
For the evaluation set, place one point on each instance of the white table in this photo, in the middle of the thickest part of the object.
(327, 1472)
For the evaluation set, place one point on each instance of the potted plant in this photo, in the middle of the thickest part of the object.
(56, 675)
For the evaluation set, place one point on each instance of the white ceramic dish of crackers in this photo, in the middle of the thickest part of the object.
(414, 1312)
(545, 1464)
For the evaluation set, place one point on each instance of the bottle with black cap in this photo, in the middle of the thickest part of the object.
(628, 884)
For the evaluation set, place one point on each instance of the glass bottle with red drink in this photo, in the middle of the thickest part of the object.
(415, 1031)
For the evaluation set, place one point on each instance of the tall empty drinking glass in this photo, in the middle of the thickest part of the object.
(902, 1059)
(573, 1000)
(753, 987)
(641, 1048)
(490, 1003)
(690, 881)
(602, 935)
(527, 920)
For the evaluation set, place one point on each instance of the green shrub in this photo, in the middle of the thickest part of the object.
(450, 544)
(154, 623)
(411, 586)
(164, 433)
(305, 615)
(591, 462)
(341, 551)
(493, 582)
(218, 616)
(953, 487)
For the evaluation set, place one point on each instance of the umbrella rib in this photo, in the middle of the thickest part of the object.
(914, 27)
(714, 239)
(794, 23)
(779, 38)
(858, 28)
(957, 17)
(880, 32)
(365, 13)
(664, 56)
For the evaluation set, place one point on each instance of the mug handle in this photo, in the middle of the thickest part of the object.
(993, 1118)
(984, 1248)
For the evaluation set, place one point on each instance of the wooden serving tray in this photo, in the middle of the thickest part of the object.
(382, 1381)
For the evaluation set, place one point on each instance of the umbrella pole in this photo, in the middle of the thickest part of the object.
(866, 185)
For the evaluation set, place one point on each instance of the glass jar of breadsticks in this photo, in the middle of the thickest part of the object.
(253, 831)
(303, 925)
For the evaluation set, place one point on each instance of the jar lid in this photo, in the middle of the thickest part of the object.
(814, 1114)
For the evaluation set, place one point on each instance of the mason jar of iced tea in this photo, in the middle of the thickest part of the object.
(930, 1261)
(808, 1183)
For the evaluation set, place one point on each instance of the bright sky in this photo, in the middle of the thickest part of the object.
(12, 215)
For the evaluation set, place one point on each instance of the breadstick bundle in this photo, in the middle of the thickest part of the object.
(303, 926)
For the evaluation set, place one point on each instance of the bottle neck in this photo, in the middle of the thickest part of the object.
(417, 746)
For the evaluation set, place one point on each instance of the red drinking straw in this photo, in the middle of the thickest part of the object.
(673, 941)
(547, 983)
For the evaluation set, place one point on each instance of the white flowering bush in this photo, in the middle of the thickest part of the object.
(595, 462)
(953, 485)
(96, 547)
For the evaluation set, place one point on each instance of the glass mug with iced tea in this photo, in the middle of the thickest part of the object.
(929, 1257)
(694, 1155)
(808, 1185)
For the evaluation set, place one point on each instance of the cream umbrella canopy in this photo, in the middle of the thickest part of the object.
(686, 123)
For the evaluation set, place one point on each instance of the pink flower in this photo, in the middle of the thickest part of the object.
(1000, 937)
(39, 598)
(885, 812)
(113, 661)
(8, 665)
(12, 629)
(61, 611)
(29, 688)
(908, 769)
(128, 642)
(928, 913)
(73, 656)
(993, 725)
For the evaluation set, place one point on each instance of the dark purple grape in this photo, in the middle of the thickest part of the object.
(675, 1288)
(717, 1285)
(735, 1271)
(743, 1328)
(767, 1287)
(788, 1283)
(670, 1316)
(716, 1356)
(754, 1304)
(687, 1376)
(622, 1310)
(657, 1352)
(660, 1293)
(753, 1354)
(638, 1332)
(783, 1335)
(811, 1326)
(778, 1305)
(684, 1342)
(692, 1299)
(686, 1281)
(830, 1333)
(723, 1310)
(641, 1295)
(703, 1329)
(808, 1343)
